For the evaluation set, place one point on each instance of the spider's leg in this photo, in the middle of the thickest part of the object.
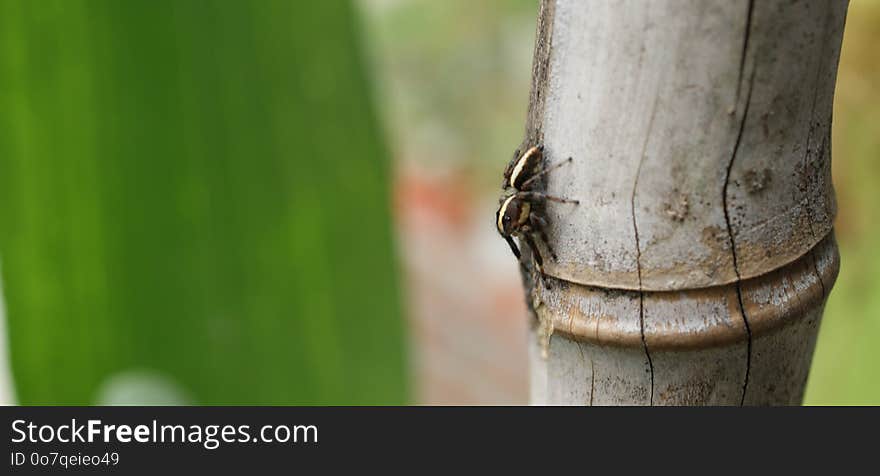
(513, 246)
(539, 260)
(552, 198)
(509, 169)
(540, 225)
(546, 171)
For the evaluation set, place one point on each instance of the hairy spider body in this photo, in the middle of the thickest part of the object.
(521, 168)
(521, 212)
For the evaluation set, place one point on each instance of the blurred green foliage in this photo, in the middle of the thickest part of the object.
(198, 189)
(846, 367)
(455, 78)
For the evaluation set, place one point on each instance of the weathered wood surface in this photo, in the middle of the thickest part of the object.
(696, 267)
(696, 348)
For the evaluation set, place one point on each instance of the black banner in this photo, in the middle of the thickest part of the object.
(269, 440)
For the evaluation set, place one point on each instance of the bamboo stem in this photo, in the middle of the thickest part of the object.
(696, 267)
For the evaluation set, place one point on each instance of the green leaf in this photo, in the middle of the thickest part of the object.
(197, 190)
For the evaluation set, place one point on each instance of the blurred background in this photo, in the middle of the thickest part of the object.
(292, 202)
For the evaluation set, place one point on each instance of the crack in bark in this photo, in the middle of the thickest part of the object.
(638, 246)
(592, 380)
(742, 308)
(592, 371)
(742, 58)
(730, 235)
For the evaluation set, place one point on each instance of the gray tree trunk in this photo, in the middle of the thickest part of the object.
(696, 267)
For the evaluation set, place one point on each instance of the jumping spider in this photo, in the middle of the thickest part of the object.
(521, 213)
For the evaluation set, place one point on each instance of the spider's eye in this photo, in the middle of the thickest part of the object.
(506, 219)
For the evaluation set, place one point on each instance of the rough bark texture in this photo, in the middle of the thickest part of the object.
(696, 267)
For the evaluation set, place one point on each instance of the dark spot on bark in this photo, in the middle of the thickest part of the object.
(756, 180)
(677, 209)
